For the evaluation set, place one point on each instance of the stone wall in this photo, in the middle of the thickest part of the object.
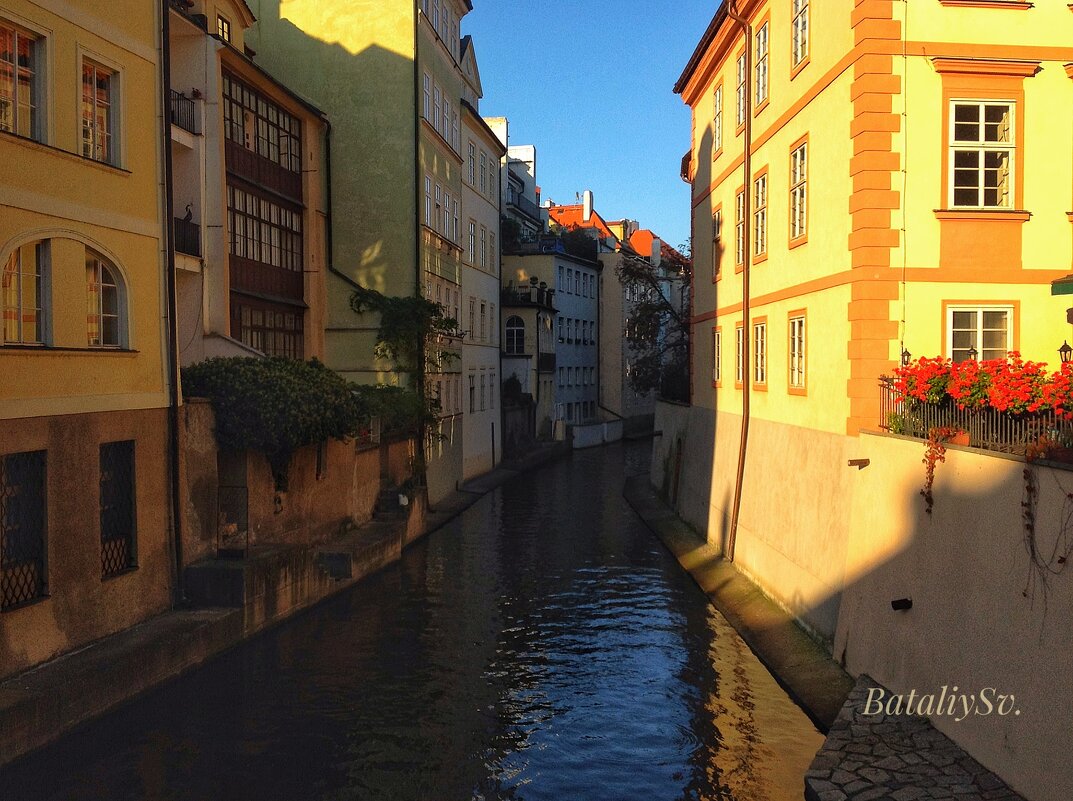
(79, 605)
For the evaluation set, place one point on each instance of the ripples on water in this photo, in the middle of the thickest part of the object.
(542, 646)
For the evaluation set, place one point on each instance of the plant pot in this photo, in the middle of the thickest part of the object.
(960, 438)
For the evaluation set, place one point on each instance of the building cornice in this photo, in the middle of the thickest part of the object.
(1015, 68)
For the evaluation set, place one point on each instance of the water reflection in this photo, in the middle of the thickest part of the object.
(543, 646)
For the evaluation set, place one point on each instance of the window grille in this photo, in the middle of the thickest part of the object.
(22, 528)
(118, 515)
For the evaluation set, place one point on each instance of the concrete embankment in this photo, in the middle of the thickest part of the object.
(239, 598)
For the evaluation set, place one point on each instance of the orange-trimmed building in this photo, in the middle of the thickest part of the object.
(871, 180)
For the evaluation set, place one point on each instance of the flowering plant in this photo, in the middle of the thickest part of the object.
(925, 380)
(971, 382)
(1016, 385)
(1057, 393)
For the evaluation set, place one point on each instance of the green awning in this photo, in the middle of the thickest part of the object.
(1062, 286)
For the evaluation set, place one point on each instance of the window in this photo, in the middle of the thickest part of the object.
(717, 119)
(494, 324)
(436, 14)
(799, 191)
(436, 105)
(264, 231)
(103, 293)
(437, 206)
(472, 242)
(472, 393)
(484, 171)
(985, 329)
(118, 515)
(223, 28)
(448, 214)
(739, 225)
(762, 64)
(760, 353)
(22, 528)
(515, 336)
(717, 238)
(98, 120)
(569, 279)
(275, 329)
(797, 352)
(484, 391)
(428, 201)
(484, 322)
(454, 221)
(742, 90)
(560, 285)
(717, 355)
(472, 317)
(472, 164)
(577, 282)
(446, 129)
(21, 63)
(492, 390)
(799, 35)
(561, 322)
(739, 362)
(492, 249)
(258, 124)
(760, 215)
(484, 246)
(24, 287)
(562, 376)
(983, 145)
(426, 108)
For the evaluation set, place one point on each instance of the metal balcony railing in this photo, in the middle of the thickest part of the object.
(987, 428)
(182, 112)
(187, 237)
(524, 205)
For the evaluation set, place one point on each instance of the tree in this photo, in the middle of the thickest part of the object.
(657, 328)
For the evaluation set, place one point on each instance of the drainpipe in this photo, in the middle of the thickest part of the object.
(747, 30)
(173, 325)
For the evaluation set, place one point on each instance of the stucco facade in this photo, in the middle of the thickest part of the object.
(84, 353)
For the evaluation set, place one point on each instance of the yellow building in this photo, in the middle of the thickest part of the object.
(389, 77)
(908, 188)
(248, 194)
(84, 359)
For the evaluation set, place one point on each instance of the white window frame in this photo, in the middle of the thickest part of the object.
(114, 103)
(742, 89)
(102, 263)
(799, 191)
(797, 350)
(739, 225)
(717, 355)
(223, 28)
(978, 330)
(38, 85)
(14, 281)
(739, 347)
(427, 89)
(760, 353)
(717, 119)
(760, 198)
(983, 147)
(763, 51)
(799, 36)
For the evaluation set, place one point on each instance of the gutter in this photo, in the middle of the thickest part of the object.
(174, 393)
(743, 445)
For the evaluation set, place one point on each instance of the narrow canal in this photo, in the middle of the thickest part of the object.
(541, 646)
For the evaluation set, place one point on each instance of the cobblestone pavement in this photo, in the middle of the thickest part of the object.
(895, 758)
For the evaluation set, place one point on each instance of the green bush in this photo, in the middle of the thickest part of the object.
(400, 410)
(274, 405)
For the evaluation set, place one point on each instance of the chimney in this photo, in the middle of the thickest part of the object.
(586, 205)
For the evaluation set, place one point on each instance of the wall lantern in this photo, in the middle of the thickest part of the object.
(906, 358)
(973, 354)
(1065, 352)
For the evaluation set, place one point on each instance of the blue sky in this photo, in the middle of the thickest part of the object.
(590, 83)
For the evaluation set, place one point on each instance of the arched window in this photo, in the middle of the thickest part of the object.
(105, 318)
(23, 287)
(515, 335)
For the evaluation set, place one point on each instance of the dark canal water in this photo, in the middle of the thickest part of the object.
(541, 646)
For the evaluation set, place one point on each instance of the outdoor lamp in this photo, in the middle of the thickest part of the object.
(973, 353)
(1065, 352)
(906, 357)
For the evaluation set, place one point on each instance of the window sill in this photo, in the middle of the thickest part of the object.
(759, 387)
(1021, 5)
(19, 348)
(799, 391)
(759, 258)
(25, 604)
(759, 108)
(1011, 215)
(795, 71)
(120, 573)
(801, 240)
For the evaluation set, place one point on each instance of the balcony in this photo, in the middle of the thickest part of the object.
(524, 205)
(183, 112)
(528, 296)
(187, 237)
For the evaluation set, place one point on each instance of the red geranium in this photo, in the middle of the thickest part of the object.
(1057, 393)
(1016, 385)
(925, 379)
